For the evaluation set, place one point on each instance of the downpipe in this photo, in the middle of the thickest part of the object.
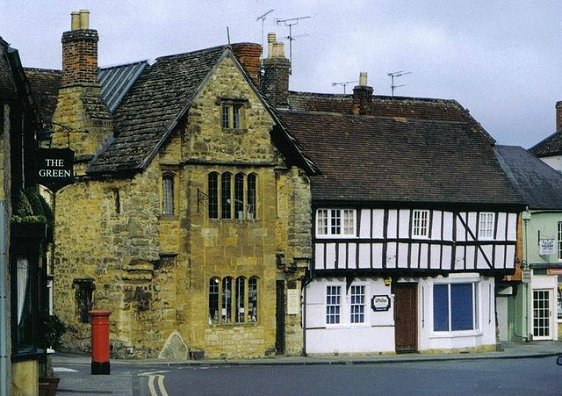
(4, 325)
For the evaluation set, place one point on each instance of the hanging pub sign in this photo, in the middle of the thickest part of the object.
(54, 168)
(380, 303)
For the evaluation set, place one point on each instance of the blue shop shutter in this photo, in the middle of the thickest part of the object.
(462, 306)
(440, 308)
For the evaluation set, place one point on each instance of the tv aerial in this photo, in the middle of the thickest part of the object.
(343, 84)
(394, 75)
(291, 22)
(262, 18)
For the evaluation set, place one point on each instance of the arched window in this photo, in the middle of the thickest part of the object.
(233, 300)
(234, 198)
(239, 196)
(251, 193)
(168, 194)
(253, 299)
(226, 200)
(213, 192)
(214, 285)
(226, 313)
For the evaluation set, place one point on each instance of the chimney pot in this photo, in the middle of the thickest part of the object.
(271, 40)
(84, 19)
(75, 20)
(363, 79)
(278, 50)
(558, 116)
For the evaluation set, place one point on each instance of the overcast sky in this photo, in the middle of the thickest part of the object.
(501, 59)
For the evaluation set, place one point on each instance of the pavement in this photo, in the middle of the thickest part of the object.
(76, 378)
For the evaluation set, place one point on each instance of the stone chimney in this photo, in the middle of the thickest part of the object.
(81, 120)
(558, 116)
(248, 54)
(362, 97)
(276, 71)
(79, 52)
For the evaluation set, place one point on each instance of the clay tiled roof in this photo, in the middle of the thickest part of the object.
(390, 106)
(44, 85)
(158, 99)
(539, 184)
(399, 159)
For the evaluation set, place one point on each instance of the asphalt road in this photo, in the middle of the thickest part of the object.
(525, 376)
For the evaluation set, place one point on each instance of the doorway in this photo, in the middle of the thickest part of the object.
(543, 308)
(280, 317)
(406, 317)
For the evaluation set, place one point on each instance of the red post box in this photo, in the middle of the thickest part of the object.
(100, 341)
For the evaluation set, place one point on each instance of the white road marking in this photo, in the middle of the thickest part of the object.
(64, 370)
(155, 383)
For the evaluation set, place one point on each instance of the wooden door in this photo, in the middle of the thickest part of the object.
(406, 317)
(280, 316)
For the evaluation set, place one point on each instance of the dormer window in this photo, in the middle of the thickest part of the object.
(232, 112)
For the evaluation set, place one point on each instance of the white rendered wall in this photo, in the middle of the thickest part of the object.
(484, 335)
(375, 335)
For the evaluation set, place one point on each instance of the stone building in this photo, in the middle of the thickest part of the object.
(190, 215)
(22, 234)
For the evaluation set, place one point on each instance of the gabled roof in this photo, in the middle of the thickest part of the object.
(538, 183)
(550, 146)
(400, 160)
(153, 106)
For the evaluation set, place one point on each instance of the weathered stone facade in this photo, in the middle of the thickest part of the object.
(154, 270)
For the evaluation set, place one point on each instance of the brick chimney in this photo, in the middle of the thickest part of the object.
(362, 97)
(558, 116)
(79, 52)
(276, 71)
(248, 54)
(81, 120)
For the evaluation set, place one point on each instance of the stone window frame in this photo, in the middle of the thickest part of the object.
(233, 300)
(233, 113)
(84, 297)
(168, 193)
(232, 196)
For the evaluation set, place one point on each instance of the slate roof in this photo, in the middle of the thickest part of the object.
(116, 81)
(399, 160)
(44, 85)
(550, 146)
(539, 184)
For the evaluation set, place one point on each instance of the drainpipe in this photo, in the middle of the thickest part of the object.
(4, 325)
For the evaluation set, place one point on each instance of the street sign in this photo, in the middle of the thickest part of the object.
(526, 276)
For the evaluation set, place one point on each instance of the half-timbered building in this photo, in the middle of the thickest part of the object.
(414, 220)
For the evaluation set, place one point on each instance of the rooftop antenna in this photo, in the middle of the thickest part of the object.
(228, 35)
(262, 18)
(291, 22)
(394, 75)
(343, 84)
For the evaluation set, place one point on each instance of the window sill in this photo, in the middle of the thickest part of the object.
(232, 325)
(167, 217)
(235, 130)
(460, 333)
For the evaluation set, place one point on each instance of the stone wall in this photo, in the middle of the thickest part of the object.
(153, 271)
